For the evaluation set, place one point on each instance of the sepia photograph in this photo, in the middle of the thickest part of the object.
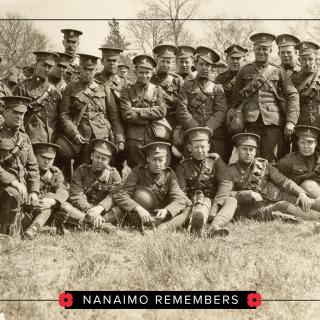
(159, 159)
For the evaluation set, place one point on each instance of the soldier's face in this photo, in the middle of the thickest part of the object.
(70, 46)
(87, 73)
(42, 69)
(156, 164)
(164, 64)
(288, 55)
(199, 149)
(123, 72)
(308, 62)
(246, 154)
(110, 64)
(184, 65)
(44, 163)
(143, 75)
(59, 71)
(13, 118)
(262, 53)
(306, 147)
(99, 160)
(203, 68)
(235, 63)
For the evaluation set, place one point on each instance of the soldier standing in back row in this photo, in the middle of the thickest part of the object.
(259, 87)
(202, 102)
(42, 116)
(235, 58)
(71, 44)
(19, 174)
(185, 62)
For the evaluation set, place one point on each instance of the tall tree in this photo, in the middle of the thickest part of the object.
(115, 39)
(18, 39)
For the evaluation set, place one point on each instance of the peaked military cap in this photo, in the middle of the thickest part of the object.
(263, 39)
(123, 66)
(156, 149)
(104, 146)
(71, 34)
(64, 58)
(185, 52)
(207, 54)
(17, 103)
(307, 132)
(306, 47)
(236, 51)
(46, 56)
(145, 61)
(88, 60)
(198, 134)
(246, 139)
(165, 51)
(286, 39)
(46, 149)
(111, 52)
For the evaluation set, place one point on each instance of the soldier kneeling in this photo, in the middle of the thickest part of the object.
(202, 177)
(151, 194)
(53, 191)
(91, 190)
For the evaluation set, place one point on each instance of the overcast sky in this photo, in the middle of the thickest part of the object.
(95, 31)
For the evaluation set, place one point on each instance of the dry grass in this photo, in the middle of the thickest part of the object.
(278, 260)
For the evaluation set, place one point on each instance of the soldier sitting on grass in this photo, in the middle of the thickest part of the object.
(91, 189)
(53, 192)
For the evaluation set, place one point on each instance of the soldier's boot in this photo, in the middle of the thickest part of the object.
(37, 224)
(223, 217)
(200, 216)
(296, 211)
(177, 222)
(14, 223)
(115, 216)
(108, 228)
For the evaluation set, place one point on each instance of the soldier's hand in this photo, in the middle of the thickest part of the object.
(143, 214)
(304, 201)
(161, 214)
(46, 203)
(256, 196)
(120, 146)
(79, 139)
(95, 211)
(22, 189)
(33, 199)
(289, 129)
(97, 221)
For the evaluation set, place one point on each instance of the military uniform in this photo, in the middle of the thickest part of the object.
(17, 162)
(142, 106)
(42, 117)
(51, 186)
(89, 109)
(59, 83)
(202, 103)
(259, 87)
(206, 176)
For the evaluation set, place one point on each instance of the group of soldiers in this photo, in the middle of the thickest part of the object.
(67, 131)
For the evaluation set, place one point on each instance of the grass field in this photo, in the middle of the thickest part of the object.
(281, 261)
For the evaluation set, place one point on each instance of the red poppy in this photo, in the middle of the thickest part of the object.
(65, 299)
(254, 300)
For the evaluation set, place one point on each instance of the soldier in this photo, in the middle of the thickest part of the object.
(307, 82)
(41, 119)
(71, 43)
(205, 173)
(151, 193)
(202, 102)
(59, 71)
(123, 70)
(142, 107)
(288, 53)
(185, 62)
(262, 191)
(258, 88)
(303, 166)
(19, 174)
(4, 91)
(87, 109)
(92, 187)
(53, 192)
(235, 58)
(12, 76)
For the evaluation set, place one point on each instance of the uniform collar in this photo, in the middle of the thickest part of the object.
(261, 65)
(11, 131)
